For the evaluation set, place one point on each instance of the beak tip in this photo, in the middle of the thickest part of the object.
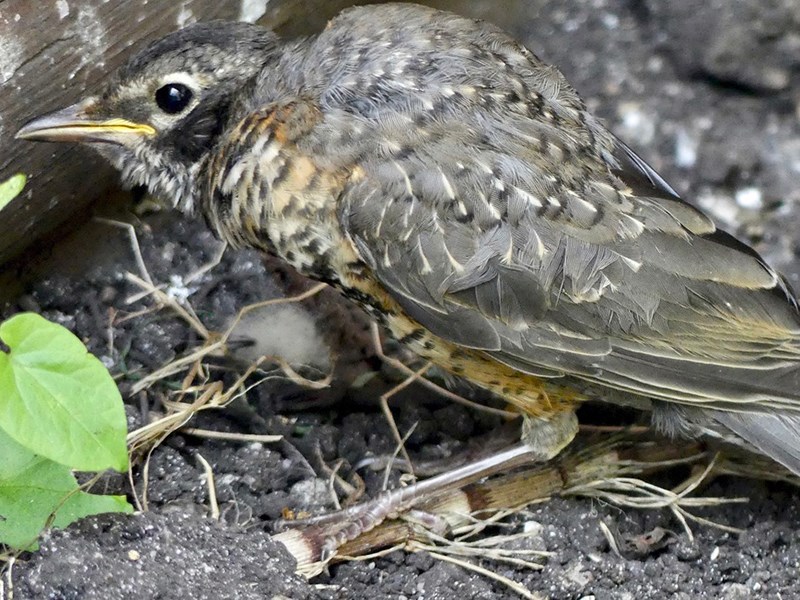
(71, 124)
(34, 130)
(23, 134)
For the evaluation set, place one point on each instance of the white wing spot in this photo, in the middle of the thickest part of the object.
(554, 202)
(436, 223)
(252, 10)
(538, 245)
(467, 90)
(448, 188)
(528, 197)
(261, 143)
(234, 176)
(426, 266)
(380, 220)
(386, 261)
(268, 155)
(584, 203)
(459, 268)
(406, 179)
(492, 208)
(508, 257)
(632, 227)
(633, 265)
(484, 167)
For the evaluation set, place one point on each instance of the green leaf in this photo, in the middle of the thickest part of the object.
(42, 487)
(57, 399)
(10, 188)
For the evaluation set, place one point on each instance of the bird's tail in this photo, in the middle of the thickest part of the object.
(775, 434)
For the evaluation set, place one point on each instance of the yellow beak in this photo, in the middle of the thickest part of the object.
(73, 124)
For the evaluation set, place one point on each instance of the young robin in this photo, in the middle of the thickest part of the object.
(441, 175)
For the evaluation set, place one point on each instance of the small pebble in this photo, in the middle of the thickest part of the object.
(750, 198)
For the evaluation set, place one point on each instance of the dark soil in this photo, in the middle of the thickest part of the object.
(707, 92)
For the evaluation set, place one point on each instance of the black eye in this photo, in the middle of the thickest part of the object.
(173, 98)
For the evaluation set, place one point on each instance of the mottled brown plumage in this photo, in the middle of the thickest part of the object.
(444, 177)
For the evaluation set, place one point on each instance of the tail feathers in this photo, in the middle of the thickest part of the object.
(773, 434)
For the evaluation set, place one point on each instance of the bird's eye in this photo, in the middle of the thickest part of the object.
(173, 98)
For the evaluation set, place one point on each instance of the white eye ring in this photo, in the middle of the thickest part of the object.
(187, 80)
(191, 81)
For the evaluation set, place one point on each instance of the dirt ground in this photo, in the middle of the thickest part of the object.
(708, 92)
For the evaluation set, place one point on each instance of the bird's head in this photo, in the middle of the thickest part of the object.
(159, 113)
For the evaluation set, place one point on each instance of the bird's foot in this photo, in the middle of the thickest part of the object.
(325, 534)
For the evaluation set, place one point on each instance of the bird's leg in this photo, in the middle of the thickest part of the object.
(336, 528)
(542, 440)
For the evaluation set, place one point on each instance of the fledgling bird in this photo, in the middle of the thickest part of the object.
(441, 175)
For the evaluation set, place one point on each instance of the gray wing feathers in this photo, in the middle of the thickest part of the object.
(501, 216)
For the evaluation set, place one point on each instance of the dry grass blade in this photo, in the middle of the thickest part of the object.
(387, 413)
(505, 581)
(182, 412)
(7, 589)
(611, 539)
(134, 240)
(207, 395)
(193, 359)
(400, 447)
(489, 548)
(632, 492)
(752, 466)
(351, 492)
(374, 555)
(231, 436)
(295, 377)
(212, 487)
(165, 300)
(150, 436)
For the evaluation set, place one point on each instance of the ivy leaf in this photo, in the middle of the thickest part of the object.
(11, 188)
(57, 399)
(35, 491)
